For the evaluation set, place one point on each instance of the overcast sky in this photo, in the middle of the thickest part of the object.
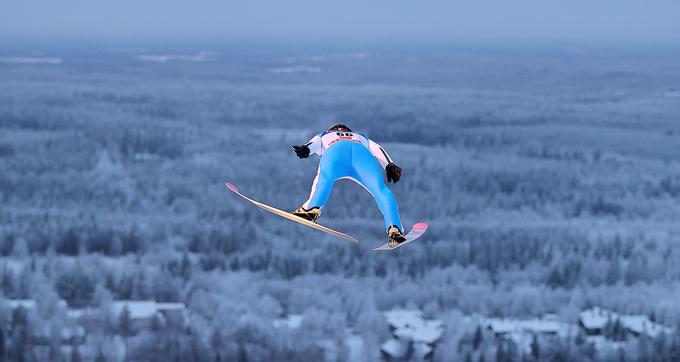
(618, 21)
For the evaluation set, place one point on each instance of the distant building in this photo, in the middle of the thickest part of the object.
(413, 336)
(641, 324)
(523, 331)
(548, 325)
(594, 320)
(143, 312)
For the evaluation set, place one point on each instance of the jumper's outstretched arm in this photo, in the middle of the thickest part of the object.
(378, 152)
(313, 146)
(392, 171)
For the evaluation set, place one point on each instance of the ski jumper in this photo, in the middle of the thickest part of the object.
(350, 155)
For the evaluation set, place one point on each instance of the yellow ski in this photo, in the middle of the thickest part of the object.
(289, 216)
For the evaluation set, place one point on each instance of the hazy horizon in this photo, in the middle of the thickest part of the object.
(350, 22)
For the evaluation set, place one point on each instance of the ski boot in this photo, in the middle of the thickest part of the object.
(395, 236)
(311, 214)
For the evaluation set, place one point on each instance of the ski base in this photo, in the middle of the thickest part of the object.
(291, 217)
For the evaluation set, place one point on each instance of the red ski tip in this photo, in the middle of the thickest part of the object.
(420, 226)
(231, 187)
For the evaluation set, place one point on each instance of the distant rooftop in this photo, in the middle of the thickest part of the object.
(140, 309)
(547, 325)
(25, 303)
(410, 324)
(597, 318)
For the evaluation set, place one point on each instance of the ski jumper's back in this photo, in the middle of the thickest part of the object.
(323, 141)
(351, 155)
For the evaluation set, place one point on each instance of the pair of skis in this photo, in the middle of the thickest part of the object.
(417, 230)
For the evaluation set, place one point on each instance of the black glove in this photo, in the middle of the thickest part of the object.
(301, 151)
(393, 172)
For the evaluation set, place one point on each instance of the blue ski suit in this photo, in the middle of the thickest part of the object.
(350, 155)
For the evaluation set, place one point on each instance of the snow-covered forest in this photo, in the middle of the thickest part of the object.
(550, 179)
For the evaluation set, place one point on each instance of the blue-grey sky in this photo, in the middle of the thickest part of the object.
(636, 21)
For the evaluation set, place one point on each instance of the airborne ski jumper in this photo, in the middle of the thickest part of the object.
(347, 155)
(350, 155)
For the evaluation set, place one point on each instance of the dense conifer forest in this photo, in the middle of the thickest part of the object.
(550, 179)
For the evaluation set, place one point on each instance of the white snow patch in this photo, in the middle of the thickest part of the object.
(143, 309)
(397, 349)
(410, 324)
(394, 347)
(546, 325)
(641, 324)
(293, 321)
(76, 313)
(597, 318)
(409, 327)
(170, 306)
(421, 350)
(145, 156)
(355, 346)
(163, 58)
(138, 309)
(31, 60)
(359, 55)
(522, 331)
(601, 343)
(296, 69)
(318, 58)
(68, 332)
(15, 266)
(25, 303)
